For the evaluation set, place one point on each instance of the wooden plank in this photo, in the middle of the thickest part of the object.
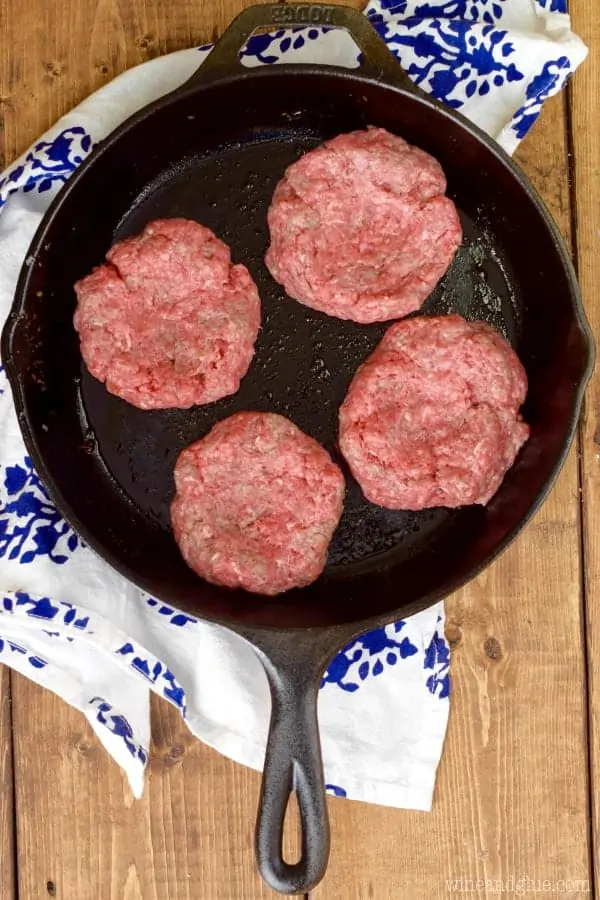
(7, 818)
(82, 835)
(584, 96)
(511, 799)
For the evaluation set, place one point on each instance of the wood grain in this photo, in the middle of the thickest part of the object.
(7, 823)
(584, 96)
(82, 835)
(511, 797)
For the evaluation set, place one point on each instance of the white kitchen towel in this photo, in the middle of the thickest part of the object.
(76, 627)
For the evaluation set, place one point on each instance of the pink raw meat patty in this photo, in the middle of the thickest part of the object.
(432, 416)
(256, 504)
(168, 321)
(360, 227)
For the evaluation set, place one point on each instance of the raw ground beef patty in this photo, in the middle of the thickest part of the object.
(256, 504)
(168, 321)
(432, 416)
(360, 227)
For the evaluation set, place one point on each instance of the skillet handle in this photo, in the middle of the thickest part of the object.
(378, 61)
(293, 763)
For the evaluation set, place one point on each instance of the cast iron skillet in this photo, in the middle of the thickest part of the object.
(214, 150)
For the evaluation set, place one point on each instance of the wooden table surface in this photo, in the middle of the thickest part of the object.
(519, 783)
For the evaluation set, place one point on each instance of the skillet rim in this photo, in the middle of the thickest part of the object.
(191, 88)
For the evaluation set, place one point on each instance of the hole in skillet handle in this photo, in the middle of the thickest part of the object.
(378, 61)
(294, 663)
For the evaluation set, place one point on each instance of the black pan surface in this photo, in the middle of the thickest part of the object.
(214, 153)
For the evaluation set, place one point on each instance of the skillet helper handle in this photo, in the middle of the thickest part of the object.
(293, 763)
(378, 61)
